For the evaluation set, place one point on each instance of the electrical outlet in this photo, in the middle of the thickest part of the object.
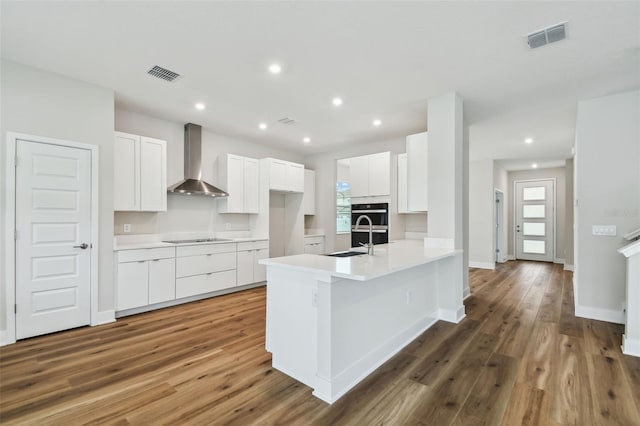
(408, 297)
(127, 228)
(314, 297)
(604, 230)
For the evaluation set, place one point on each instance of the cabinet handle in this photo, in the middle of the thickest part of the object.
(156, 260)
(210, 254)
(141, 261)
(209, 273)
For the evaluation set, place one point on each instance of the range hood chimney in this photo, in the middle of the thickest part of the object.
(192, 182)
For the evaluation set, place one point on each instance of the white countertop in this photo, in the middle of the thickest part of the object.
(159, 244)
(388, 258)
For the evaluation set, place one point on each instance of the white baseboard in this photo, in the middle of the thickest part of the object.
(451, 315)
(466, 293)
(331, 391)
(568, 267)
(482, 265)
(607, 315)
(4, 338)
(630, 346)
(558, 260)
(104, 317)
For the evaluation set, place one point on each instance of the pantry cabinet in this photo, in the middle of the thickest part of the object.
(140, 173)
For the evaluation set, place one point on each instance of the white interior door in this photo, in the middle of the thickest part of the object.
(53, 224)
(535, 210)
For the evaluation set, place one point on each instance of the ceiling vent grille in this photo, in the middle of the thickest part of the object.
(547, 35)
(287, 121)
(163, 73)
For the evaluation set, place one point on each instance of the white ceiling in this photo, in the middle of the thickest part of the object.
(385, 59)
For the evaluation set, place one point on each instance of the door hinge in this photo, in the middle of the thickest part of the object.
(497, 251)
(15, 235)
(15, 308)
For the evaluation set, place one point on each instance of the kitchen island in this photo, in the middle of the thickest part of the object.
(331, 321)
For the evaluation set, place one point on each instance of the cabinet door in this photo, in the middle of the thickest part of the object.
(379, 174)
(153, 175)
(162, 280)
(295, 177)
(260, 271)
(245, 267)
(251, 185)
(359, 175)
(278, 175)
(417, 172)
(309, 192)
(402, 183)
(133, 285)
(235, 184)
(126, 176)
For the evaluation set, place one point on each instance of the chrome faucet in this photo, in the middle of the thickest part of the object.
(370, 245)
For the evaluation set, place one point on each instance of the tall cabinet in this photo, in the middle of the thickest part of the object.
(140, 174)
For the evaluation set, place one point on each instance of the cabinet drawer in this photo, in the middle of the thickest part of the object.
(146, 254)
(253, 245)
(205, 249)
(199, 284)
(313, 240)
(206, 263)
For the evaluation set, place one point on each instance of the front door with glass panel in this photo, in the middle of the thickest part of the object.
(534, 220)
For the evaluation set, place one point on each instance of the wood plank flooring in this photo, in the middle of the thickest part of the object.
(521, 357)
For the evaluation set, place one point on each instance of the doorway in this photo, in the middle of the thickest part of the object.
(499, 226)
(52, 212)
(535, 219)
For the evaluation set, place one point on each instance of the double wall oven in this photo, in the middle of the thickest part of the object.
(379, 215)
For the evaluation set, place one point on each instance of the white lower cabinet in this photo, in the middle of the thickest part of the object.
(314, 245)
(249, 253)
(205, 268)
(145, 276)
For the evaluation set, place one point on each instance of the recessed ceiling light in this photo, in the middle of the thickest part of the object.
(528, 140)
(263, 126)
(275, 68)
(377, 123)
(534, 166)
(200, 106)
(306, 139)
(337, 101)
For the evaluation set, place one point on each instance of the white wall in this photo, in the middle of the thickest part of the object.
(568, 240)
(41, 103)
(559, 174)
(607, 173)
(326, 171)
(481, 205)
(184, 213)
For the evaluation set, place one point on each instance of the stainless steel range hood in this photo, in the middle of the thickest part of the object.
(192, 182)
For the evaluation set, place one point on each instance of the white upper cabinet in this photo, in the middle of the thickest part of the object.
(417, 172)
(309, 192)
(240, 176)
(370, 175)
(285, 176)
(140, 173)
(403, 206)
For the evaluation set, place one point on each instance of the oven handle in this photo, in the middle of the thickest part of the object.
(369, 211)
(375, 231)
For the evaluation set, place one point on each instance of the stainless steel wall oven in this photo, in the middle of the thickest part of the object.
(379, 215)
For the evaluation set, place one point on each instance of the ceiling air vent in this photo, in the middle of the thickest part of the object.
(163, 73)
(287, 121)
(547, 35)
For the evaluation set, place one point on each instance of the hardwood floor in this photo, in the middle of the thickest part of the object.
(520, 357)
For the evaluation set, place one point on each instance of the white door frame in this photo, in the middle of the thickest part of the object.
(555, 214)
(10, 227)
(498, 212)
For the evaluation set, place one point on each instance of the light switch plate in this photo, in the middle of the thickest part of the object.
(606, 230)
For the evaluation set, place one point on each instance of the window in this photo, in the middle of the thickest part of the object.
(343, 207)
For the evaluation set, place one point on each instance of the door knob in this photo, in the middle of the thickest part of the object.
(82, 246)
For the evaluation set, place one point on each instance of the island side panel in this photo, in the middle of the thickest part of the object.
(451, 289)
(370, 321)
(291, 323)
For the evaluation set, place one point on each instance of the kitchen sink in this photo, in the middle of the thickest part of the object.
(345, 254)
